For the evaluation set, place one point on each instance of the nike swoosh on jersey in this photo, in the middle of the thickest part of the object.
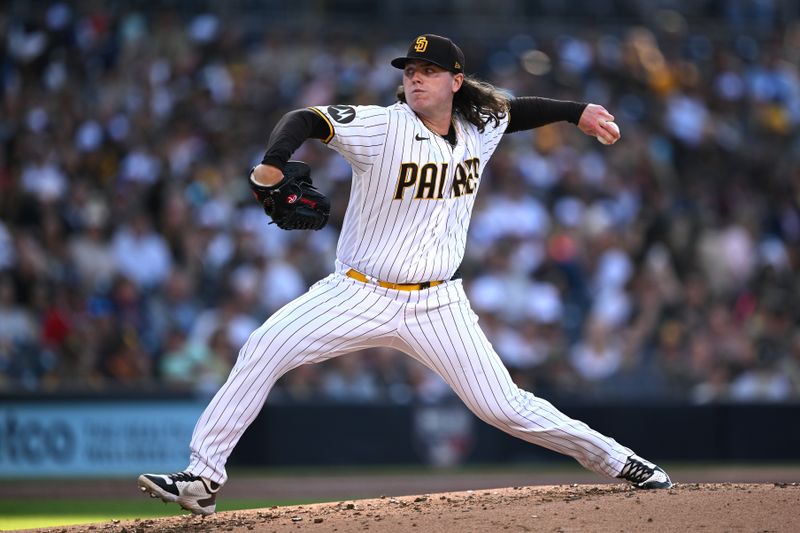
(417, 137)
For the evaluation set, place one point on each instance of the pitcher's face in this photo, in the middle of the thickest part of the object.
(429, 87)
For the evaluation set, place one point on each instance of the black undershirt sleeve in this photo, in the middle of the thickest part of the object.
(290, 132)
(528, 112)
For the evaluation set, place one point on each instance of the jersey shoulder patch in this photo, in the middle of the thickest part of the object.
(343, 114)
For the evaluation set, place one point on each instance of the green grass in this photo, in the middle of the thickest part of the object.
(28, 514)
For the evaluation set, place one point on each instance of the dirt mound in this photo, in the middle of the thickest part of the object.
(709, 507)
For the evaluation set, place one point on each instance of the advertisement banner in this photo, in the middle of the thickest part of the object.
(84, 439)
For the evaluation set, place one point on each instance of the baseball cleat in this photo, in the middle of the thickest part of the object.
(643, 474)
(193, 493)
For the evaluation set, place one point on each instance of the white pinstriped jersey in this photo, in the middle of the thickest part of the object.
(412, 192)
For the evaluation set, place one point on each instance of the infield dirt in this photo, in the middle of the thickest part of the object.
(705, 507)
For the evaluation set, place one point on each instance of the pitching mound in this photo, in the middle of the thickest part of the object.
(709, 507)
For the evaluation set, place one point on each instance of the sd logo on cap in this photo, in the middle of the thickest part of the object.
(435, 49)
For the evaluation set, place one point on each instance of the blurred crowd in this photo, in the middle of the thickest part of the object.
(132, 255)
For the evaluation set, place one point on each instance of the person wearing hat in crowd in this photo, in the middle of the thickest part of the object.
(417, 167)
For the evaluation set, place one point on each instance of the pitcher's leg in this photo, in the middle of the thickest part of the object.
(447, 338)
(333, 318)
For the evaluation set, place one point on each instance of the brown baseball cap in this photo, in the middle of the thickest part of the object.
(434, 49)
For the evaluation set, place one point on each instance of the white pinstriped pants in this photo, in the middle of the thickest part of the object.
(436, 326)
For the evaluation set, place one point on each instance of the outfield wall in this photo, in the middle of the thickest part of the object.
(94, 438)
(120, 437)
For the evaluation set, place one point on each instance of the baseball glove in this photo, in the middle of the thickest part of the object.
(293, 202)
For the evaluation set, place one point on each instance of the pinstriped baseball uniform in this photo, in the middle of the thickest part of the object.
(406, 222)
(412, 192)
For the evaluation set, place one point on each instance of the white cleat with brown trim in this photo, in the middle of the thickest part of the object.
(193, 493)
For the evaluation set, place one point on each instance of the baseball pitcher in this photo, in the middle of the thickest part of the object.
(417, 167)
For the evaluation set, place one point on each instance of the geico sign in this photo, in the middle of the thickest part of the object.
(31, 441)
